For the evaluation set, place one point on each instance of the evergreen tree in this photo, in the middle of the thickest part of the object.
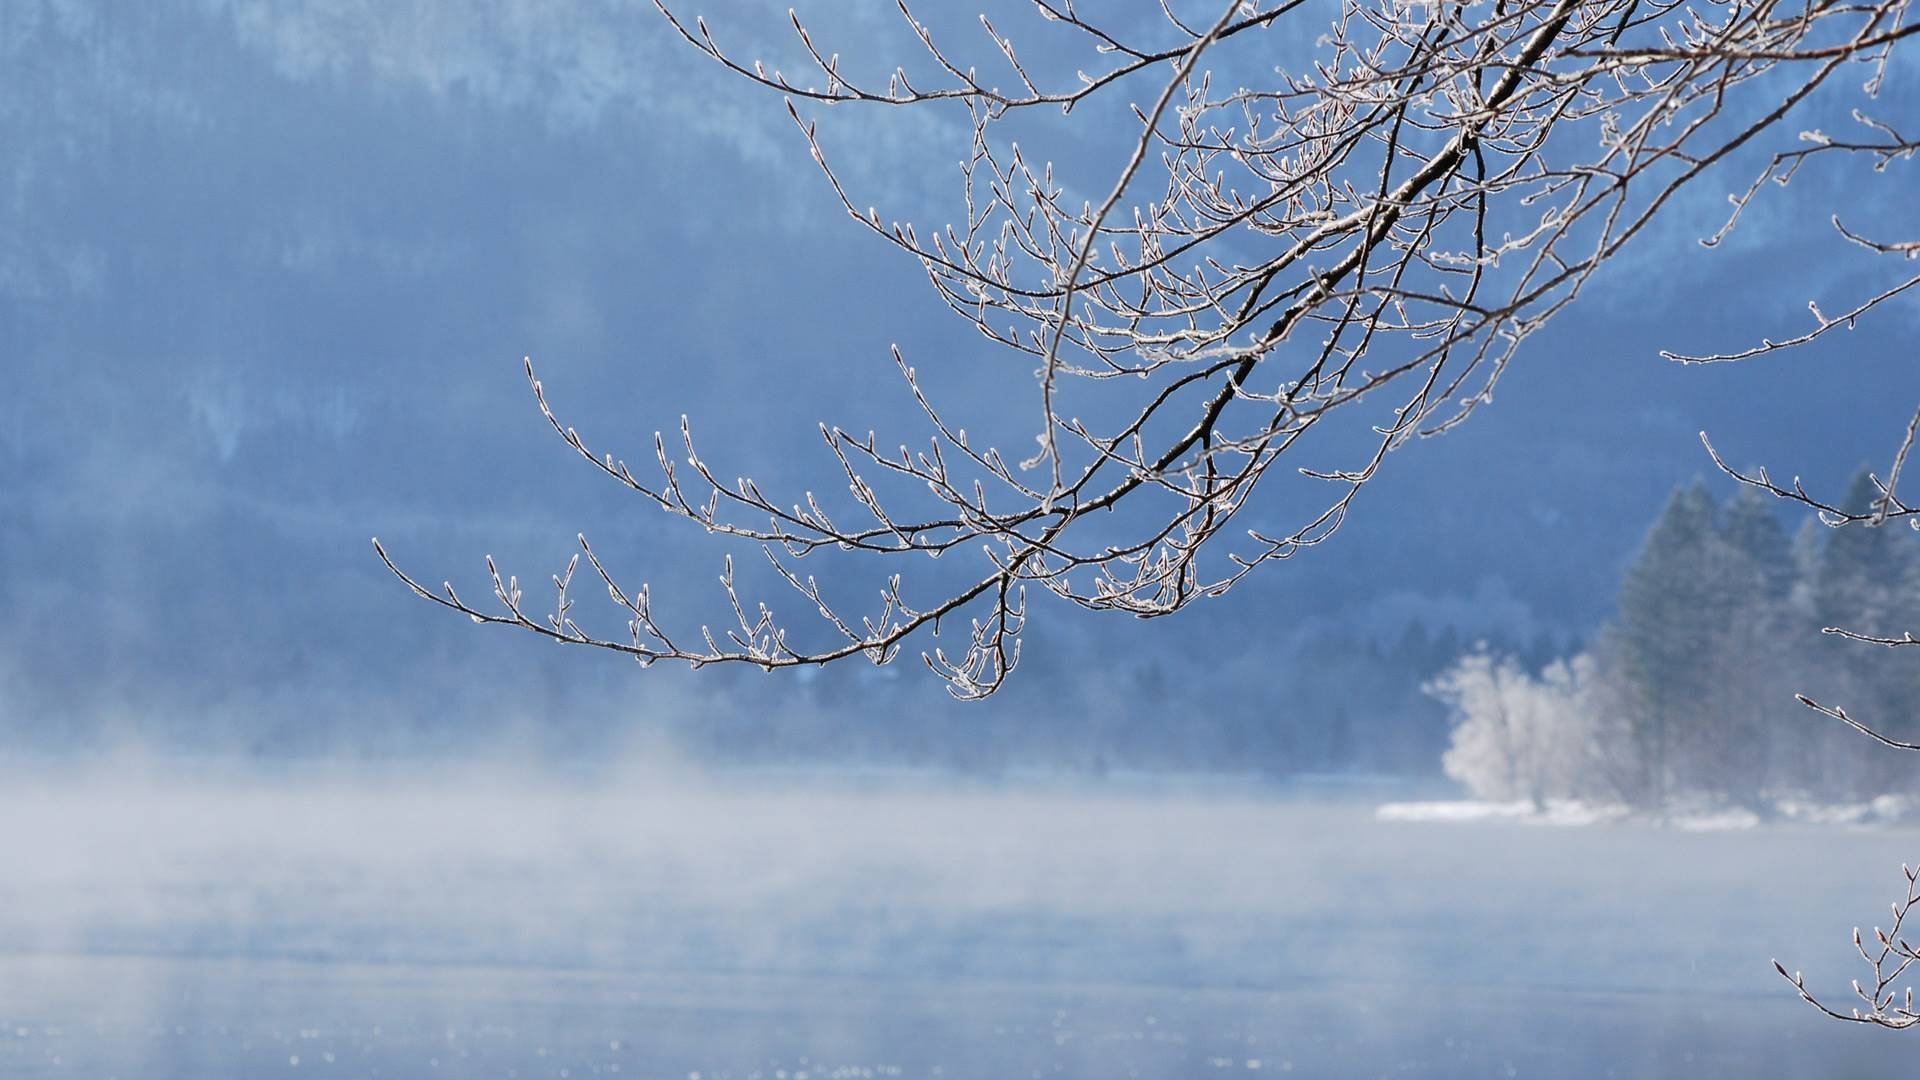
(1860, 583)
(1809, 542)
(1675, 597)
(1750, 526)
(1678, 602)
(1861, 568)
(1736, 751)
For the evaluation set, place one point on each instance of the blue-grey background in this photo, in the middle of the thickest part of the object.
(267, 273)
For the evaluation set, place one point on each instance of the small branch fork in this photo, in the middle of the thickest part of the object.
(1365, 238)
(1887, 505)
(1884, 1003)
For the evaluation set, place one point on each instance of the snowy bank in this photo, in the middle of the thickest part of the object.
(1884, 810)
(1552, 812)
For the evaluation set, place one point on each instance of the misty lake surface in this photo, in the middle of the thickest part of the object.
(756, 927)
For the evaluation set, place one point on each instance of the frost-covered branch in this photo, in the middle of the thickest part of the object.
(1365, 235)
(1885, 1002)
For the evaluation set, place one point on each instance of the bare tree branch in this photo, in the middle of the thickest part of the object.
(1884, 1003)
(1368, 235)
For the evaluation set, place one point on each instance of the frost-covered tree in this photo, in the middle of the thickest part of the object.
(1687, 697)
(1516, 736)
(1325, 214)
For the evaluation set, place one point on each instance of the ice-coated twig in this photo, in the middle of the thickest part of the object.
(1884, 1003)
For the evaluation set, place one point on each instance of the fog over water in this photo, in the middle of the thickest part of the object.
(488, 922)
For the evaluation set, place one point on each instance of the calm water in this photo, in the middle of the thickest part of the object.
(480, 926)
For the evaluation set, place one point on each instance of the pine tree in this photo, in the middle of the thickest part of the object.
(1860, 583)
(1750, 526)
(1737, 752)
(1861, 568)
(1678, 602)
(1809, 544)
(1673, 599)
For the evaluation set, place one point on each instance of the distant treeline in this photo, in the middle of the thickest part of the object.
(1327, 700)
(1686, 693)
(1689, 693)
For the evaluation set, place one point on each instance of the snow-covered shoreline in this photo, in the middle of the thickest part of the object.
(1883, 810)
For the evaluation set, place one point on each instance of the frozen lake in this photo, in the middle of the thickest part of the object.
(873, 926)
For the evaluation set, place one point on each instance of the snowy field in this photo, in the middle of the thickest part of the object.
(789, 928)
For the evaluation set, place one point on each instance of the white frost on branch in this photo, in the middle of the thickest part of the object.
(1368, 237)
